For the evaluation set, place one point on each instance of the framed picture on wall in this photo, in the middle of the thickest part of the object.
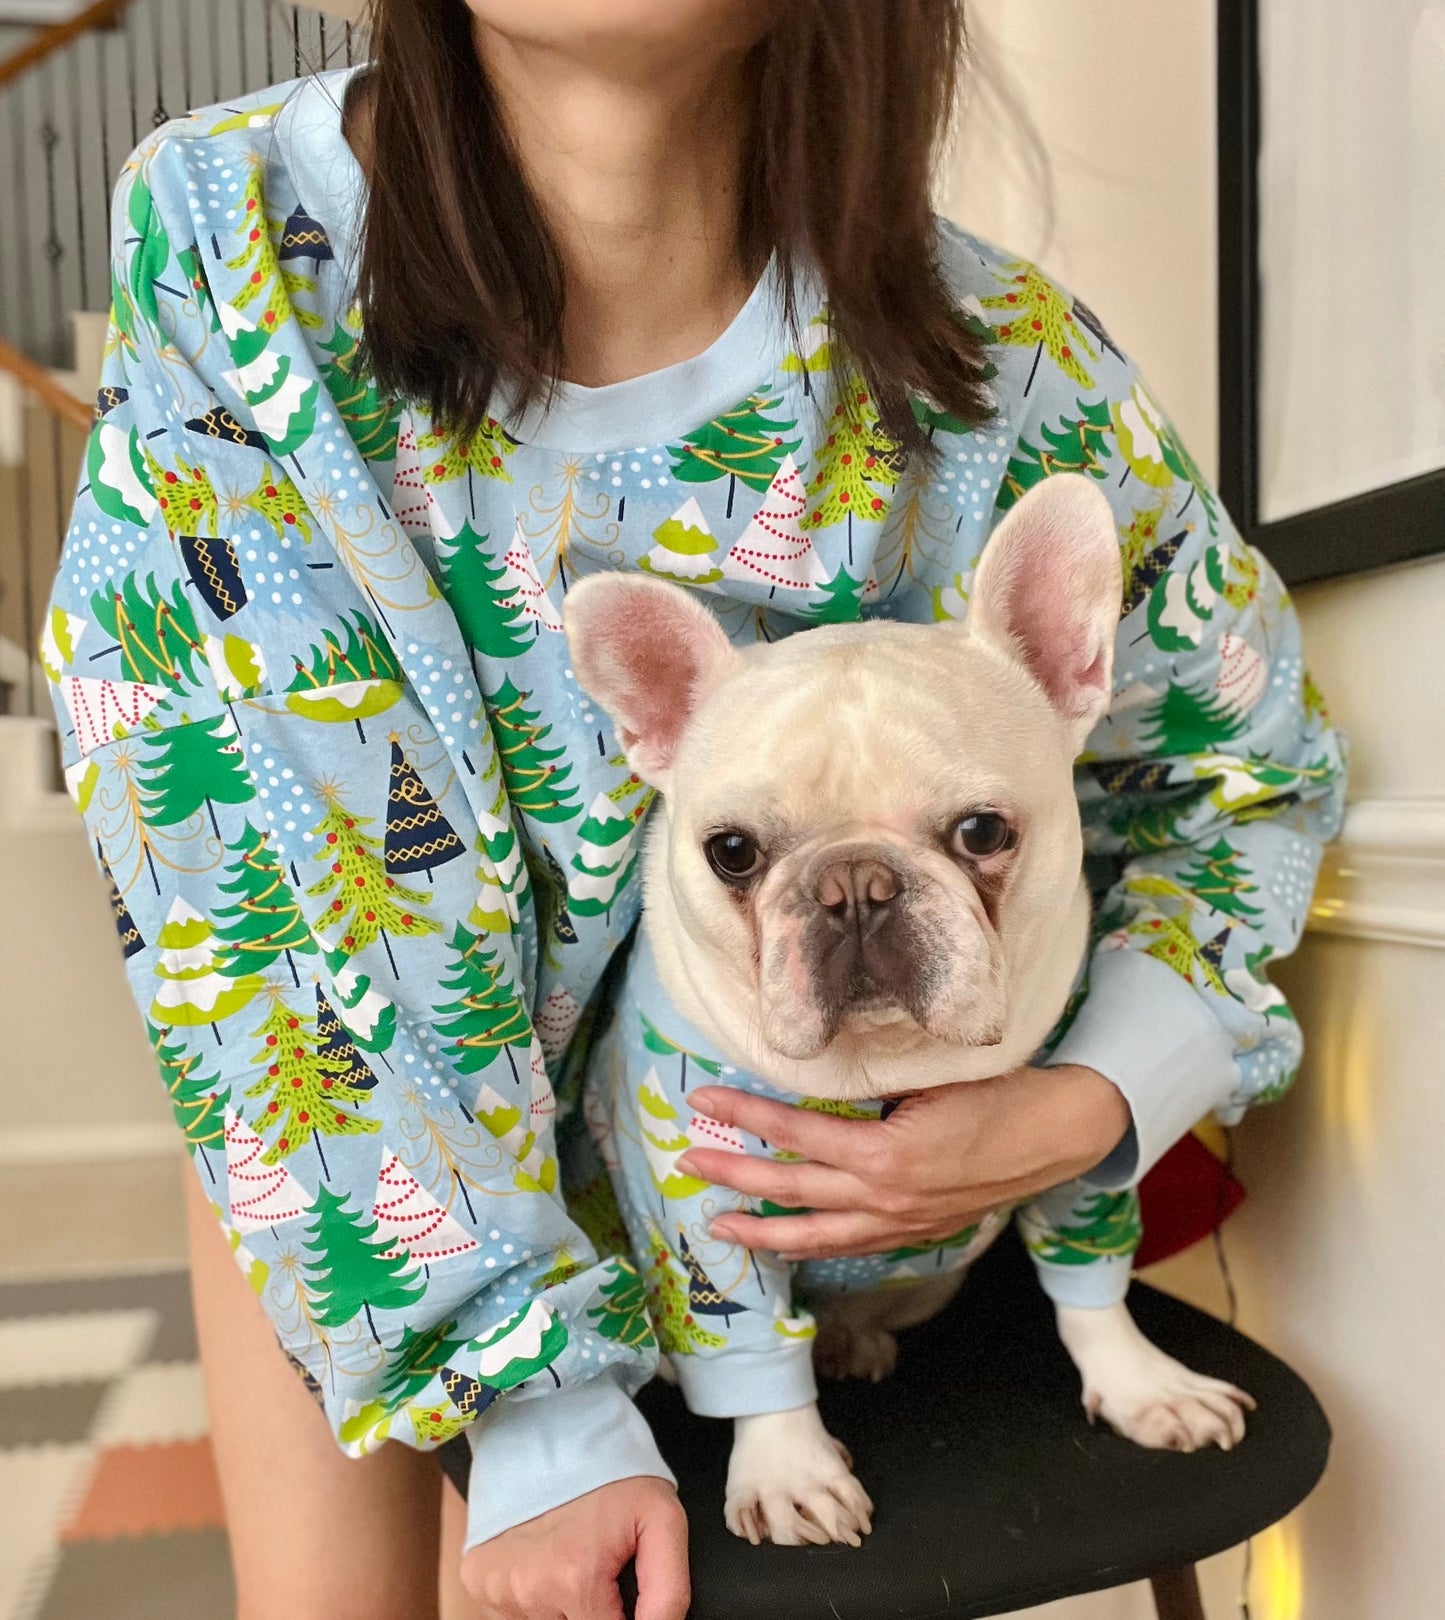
(1332, 280)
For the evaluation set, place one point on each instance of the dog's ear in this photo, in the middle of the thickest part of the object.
(1048, 591)
(648, 653)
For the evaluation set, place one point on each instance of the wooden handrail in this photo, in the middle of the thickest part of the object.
(99, 15)
(38, 382)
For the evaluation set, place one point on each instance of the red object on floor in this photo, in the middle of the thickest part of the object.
(1183, 1199)
(148, 1491)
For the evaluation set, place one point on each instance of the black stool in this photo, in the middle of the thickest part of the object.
(992, 1492)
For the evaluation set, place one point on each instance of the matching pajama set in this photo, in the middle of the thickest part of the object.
(371, 850)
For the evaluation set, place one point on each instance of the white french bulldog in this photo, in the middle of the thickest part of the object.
(864, 879)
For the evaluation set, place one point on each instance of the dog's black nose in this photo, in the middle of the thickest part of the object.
(856, 890)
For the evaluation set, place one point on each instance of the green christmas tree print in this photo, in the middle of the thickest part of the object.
(198, 763)
(484, 455)
(417, 1359)
(522, 1346)
(679, 1333)
(842, 601)
(1075, 444)
(1189, 720)
(352, 675)
(488, 1016)
(117, 475)
(1155, 454)
(302, 1086)
(1221, 880)
(191, 991)
(605, 859)
(371, 418)
(275, 500)
(857, 467)
(1041, 317)
(368, 903)
(481, 599)
(685, 550)
(1171, 941)
(264, 919)
(743, 445)
(655, 1041)
(1146, 558)
(198, 1100)
(940, 1250)
(156, 631)
(418, 836)
(537, 784)
(351, 1272)
(267, 284)
(501, 876)
(664, 1141)
(1106, 1224)
(187, 497)
(152, 253)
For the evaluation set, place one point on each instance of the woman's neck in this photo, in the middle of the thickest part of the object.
(635, 166)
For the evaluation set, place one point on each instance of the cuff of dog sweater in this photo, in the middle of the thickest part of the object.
(1143, 1027)
(743, 1383)
(532, 1455)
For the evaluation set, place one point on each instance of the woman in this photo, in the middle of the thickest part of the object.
(371, 849)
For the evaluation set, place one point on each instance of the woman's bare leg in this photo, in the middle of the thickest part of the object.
(456, 1602)
(314, 1535)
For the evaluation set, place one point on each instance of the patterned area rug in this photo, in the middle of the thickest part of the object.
(109, 1506)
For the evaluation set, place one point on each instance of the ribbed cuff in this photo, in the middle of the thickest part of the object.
(744, 1383)
(532, 1455)
(1146, 1029)
(1101, 1282)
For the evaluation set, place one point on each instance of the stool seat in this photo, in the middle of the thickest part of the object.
(991, 1490)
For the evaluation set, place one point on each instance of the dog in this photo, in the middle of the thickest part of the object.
(864, 879)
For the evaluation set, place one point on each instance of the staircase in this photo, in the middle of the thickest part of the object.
(85, 1132)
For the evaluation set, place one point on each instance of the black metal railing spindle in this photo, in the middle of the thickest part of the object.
(82, 267)
(51, 245)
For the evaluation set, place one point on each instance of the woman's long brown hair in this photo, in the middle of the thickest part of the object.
(462, 287)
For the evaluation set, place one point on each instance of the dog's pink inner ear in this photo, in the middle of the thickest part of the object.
(1050, 586)
(661, 673)
(1060, 644)
(649, 654)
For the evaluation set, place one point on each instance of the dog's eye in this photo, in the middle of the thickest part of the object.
(981, 834)
(734, 856)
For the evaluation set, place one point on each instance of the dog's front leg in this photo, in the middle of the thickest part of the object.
(1145, 1395)
(790, 1482)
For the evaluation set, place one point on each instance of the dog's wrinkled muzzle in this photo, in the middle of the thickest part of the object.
(863, 939)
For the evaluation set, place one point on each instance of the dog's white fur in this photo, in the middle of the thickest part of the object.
(865, 744)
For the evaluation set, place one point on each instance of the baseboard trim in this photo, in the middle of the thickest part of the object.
(86, 1144)
(1384, 877)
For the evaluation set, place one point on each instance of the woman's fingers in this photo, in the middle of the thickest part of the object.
(809, 1237)
(792, 1184)
(663, 1588)
(845, 1143)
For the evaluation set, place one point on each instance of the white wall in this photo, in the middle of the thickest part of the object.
(1338, 1253)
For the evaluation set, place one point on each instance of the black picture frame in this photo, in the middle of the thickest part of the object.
(1396, 523)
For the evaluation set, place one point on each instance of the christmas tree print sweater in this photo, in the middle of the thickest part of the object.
(370, 849)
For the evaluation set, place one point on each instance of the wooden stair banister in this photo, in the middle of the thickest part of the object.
(41, 386)
(46, 41)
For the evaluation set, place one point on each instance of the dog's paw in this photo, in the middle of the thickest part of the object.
(789, 1482)
(1143, 1394)
(844, 1350)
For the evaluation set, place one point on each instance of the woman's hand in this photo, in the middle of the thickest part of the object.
(940, 1161)
(564, 1565)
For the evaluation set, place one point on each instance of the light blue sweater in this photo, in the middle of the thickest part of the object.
(372, 848)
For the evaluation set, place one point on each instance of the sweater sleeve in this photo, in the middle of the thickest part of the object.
(341, 1025)
(1210, 786)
